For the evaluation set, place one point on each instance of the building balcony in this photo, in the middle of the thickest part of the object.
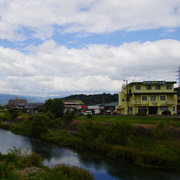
(170, 102)
(142, 103)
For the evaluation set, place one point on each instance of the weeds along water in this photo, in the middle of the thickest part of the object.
(24, 165)
(113, 136)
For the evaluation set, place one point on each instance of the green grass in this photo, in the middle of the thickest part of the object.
(1, 113)
(132, 119)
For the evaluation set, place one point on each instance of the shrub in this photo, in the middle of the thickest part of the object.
(40, 124)
(72, 172)
(118, 133)
(24, 158)
(12, 113)
(4, 118)
(68, 115)
(89, 116)
(90, 130)
(160, 132)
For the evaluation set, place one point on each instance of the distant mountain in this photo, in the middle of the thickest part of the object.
(91, 99)
(4, 98)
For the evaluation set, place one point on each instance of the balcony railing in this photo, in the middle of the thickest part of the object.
(140, 102)
(170, 102)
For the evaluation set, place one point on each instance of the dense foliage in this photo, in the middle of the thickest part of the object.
(19, 165)
(55, 106)
(93, 99)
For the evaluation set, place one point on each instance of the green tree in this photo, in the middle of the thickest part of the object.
(55, 106)
(48, 104)
(40, 124)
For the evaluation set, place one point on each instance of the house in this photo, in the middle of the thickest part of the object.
(110, 107)
(93, 109)
(147, 97)
(72, 105)
(15, 102)
(30, 107)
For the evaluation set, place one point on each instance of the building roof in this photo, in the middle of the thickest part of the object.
(111, 104)
(108, 104)
(153, 82)
(70, 102)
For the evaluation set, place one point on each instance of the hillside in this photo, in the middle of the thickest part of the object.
(93, 98)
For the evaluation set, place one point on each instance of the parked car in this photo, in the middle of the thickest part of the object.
(166, 112)
(86, 113)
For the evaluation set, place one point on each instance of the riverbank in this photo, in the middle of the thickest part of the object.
(158, 146)
(24, 165)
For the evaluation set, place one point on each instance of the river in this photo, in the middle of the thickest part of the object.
(102, 168)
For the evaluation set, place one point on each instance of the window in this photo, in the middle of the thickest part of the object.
(148, 87)
(162, 98)
(157, 87)
(153, 98)
(122, 100)
(169, 87)
(144, 98)
(162, 108)
(138, 87)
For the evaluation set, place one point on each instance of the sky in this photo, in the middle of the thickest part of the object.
(60, 48)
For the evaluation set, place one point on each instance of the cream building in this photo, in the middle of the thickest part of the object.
(147, 97)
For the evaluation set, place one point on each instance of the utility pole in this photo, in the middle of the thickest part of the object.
(104, 104)
(178, 77)
(127, 98)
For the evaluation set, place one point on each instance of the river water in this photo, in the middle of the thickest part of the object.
(102, 168)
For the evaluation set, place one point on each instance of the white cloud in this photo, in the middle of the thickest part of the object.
(53, 69)
(90, 16)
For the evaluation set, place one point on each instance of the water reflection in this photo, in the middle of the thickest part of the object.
(99, 166)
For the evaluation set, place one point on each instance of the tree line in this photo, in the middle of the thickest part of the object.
(93, 99)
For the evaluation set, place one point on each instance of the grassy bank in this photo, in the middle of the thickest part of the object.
(19, 165)
(112, 136)
(154, 120)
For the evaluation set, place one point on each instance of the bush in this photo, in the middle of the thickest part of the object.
(3, 118)
(13, 113)
(24, 158)
(160, 132)
(89, 116)
(40, 124)
(90, 130)
(68, 115)
(72, 172)
(118, 133)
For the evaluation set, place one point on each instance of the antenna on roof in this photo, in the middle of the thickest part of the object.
(124, 82)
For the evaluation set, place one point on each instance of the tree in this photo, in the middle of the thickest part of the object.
(40, 124)
(48, 104)
(55, 106)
